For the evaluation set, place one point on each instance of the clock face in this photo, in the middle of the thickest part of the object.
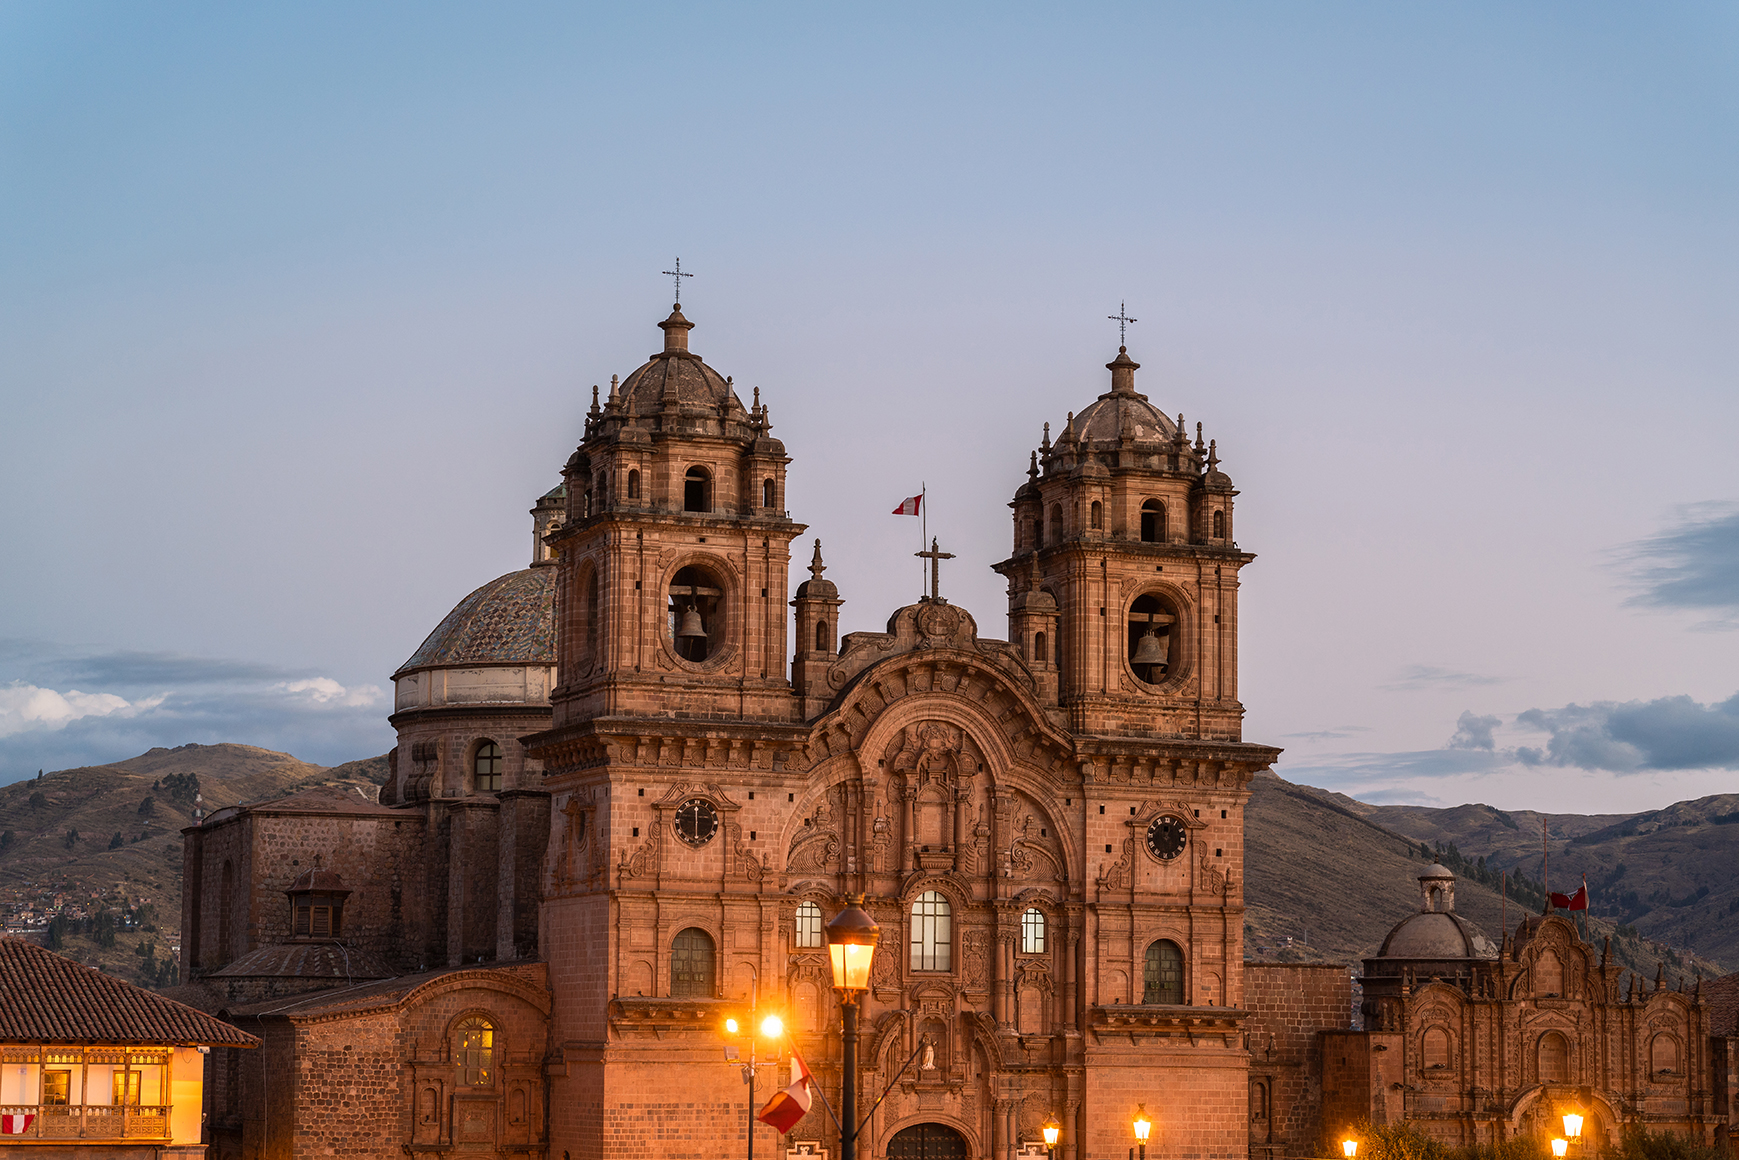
(696, 821)
(1167, 837)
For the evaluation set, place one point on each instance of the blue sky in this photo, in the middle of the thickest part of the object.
(301, 305)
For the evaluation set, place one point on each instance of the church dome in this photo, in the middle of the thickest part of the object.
(1436, 933)
(676, 373)
(508, 621)
(1120, 414)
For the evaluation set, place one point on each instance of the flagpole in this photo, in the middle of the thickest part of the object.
(1545, 866)
(1506, 910)
(923, 530)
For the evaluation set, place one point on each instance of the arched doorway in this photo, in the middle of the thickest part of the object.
(927, 1142)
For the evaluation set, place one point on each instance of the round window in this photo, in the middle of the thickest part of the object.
(697, 820)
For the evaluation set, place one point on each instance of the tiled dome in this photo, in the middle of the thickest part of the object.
(508, 621)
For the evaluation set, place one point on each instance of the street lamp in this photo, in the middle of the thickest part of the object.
(1142, 1127)
(1573, 1125)
(851, 941)
(1349, 1148)
(1052, 1130)
(772, 1027)
(1559, 1147)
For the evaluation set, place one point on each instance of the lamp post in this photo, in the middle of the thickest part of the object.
(1142, 1127)
(1052, 1130)
(851, 941)
(1349, 1148)
(1559, 1147)
(771, 1027)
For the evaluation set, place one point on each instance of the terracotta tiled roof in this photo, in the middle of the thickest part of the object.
(322, 799)
(322, 960)
(46, 998)
(509, 621)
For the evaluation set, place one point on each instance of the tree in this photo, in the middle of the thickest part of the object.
(148, 807)
(116, 842)
(71, 839)
(57, 933)
(6, 841)
(38, 800)
(105, 929)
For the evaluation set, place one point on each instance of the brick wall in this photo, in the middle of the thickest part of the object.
(1290, 1005)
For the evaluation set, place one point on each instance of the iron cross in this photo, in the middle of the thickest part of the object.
(679, 276)
(1121, 318)
(935, 559)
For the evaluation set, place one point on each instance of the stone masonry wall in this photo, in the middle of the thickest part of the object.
(1289, 1005)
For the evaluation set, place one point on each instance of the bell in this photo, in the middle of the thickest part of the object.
(690, 625)
(1150, 650)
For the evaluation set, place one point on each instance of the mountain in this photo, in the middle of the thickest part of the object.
(1334, 874)
(106, 841)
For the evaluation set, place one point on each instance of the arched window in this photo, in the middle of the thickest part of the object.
(591, 649)
(586, 503)
(1041, 649)
(691, 965)
(1150, 638)
(1663, 1055)
(1056, 533)
(932, 933)
(808, 924)
(1548, 974)
(821, 636)
(1219, 525)
(1097, 513)
(1554, 1058)
(1434, 1049)
(474, 1051)
(487, 767)
(1032, 931)
(696, 491)
(1162, 973)
(1152, 522)
(767, 493)
(633, 485)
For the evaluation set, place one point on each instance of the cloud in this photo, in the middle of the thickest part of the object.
(1473, 732)
(325, 690)
(43, 663)
(1629, 737)
(1694, 565)
(1334, 734)
(24, 708)
(1415, 677)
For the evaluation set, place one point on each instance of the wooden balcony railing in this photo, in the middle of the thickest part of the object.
(89, 1122)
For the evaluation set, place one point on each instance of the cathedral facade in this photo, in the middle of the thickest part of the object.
(635, 780)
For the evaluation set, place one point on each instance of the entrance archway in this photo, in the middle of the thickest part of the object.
(927, 1142)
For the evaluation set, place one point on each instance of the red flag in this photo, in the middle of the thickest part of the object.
(909, 506)
(789, 1104)
(1576, 901)
(16, 1125)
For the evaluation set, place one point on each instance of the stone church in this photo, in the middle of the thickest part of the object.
(635, 779)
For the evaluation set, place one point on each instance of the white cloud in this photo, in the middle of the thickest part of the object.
(25, 707)
(326, 691)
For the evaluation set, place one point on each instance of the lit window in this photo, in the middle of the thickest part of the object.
(1162, 973)
(932, 933)
(1032, 932)
(474, 1052)
(488, 767)
(808, 924)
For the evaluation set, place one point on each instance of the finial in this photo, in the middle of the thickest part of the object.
(1178, 437)
(1198, 437)
(1032, 470)
(614, 390)
(1045, 443)
(594, 398)
(1213, 455)
(757, 396)
(816, 567)
(1660, 974)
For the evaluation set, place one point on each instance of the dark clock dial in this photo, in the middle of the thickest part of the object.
(696, 821)
(1167, 837)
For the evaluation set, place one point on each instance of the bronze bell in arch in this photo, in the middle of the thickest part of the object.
(1150, 649)
(690, 624)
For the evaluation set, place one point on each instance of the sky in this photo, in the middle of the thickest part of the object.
(301, 307)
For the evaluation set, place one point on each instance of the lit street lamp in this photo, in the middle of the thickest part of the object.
(851, 941)
(1559, 1147)
(1052, 1130)
(1573, 1125)
(1142, 1127)
(772, 1027)
(1349, 1148)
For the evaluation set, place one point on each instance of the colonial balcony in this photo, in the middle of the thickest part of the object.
(92, 1122)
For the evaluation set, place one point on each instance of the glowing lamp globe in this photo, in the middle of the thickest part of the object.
(731, 1026)
(1142, 1124)
(851, 940)
(1559, 1147)
(1052, 1130)
(1349, 1148)
(772, 1027)
(1572, 1125)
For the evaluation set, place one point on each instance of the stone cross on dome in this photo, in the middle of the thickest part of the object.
(935, 557)
(679, 276)
(1121, 318)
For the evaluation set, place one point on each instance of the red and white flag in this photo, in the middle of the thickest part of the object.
(16, 1125)
(909, 506)
(1576, 901)
(791, 1104)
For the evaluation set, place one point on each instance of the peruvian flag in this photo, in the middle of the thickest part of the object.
(16, 1125)
(1576, 901)
(789, 1104)
(909, 506)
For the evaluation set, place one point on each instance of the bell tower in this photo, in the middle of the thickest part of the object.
(1124, 577)
(674, 552)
